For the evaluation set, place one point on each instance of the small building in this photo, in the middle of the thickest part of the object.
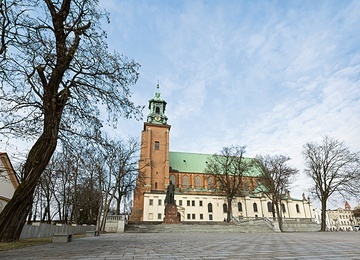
(8, 180)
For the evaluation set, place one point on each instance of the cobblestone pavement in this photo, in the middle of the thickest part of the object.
(312, 245)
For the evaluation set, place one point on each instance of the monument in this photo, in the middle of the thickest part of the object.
(171, 212)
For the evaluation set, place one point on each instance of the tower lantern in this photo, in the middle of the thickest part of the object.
(157, 108)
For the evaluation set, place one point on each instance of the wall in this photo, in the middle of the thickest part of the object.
(198, 208)
(37, 230)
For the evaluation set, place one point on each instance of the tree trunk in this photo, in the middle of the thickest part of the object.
(98, 218)
(13, 216)
(118, 203)
(279, 216)
(229, 211)
(323, 215)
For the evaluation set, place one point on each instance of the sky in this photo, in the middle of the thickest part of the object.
(271, 75)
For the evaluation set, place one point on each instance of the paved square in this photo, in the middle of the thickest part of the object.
(197, 245)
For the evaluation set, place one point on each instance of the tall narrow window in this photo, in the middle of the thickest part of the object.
(269, 206)
(239, 207)
(157, 145)
(172, 179)
(210, 182)
(156, 185)
(185, 181)
(297, 208)
(197, 181)
(210, 207)
(283, 207)
(246, 185)
(225, 208)
(157, 110)
(255, 207)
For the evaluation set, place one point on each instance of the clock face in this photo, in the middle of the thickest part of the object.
(157, 118)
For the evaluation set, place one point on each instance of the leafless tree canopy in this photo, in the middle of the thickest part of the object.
(275, 179)
(60, 56)
(333, 168)
(78, 186)
(228, 168)
(57, 78)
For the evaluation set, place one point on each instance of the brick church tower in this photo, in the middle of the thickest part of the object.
(154, 156)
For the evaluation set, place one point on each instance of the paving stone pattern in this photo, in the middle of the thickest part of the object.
(199, 245)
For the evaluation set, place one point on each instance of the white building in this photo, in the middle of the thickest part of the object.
(341, 219)
(8, 180)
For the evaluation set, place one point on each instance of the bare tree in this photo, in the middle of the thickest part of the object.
(356, 213)
(333, 168)
(228, 169)
(52, 83)
(275, 180)
(10, 11)
(122, 161)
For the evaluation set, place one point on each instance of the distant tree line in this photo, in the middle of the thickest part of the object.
(84, 183)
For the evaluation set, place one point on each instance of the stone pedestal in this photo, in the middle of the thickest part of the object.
(171, 214)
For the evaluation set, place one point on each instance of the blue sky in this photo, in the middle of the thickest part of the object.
(271, 75)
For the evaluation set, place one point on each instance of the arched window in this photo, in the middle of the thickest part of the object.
(197, 181)
(210, 207)
(185, 180)
(297, 208)
(225, 208)
(157, 110)
(172, 179)
(210, 182)
(283, 207)
(239, 207)
(255, 207)
(156, 186)
(269, 206)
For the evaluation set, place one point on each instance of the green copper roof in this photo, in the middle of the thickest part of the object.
(157, 97)
(196, 163)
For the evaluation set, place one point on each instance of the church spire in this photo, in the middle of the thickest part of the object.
(157, 109)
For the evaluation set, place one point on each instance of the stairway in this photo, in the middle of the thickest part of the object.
(213, 227)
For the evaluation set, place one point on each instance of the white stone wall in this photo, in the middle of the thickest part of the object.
(195, 207)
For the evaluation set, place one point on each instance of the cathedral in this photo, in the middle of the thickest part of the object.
(195, 197)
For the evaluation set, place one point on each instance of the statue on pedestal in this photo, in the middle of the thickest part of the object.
(171, 212)
(170, 194)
